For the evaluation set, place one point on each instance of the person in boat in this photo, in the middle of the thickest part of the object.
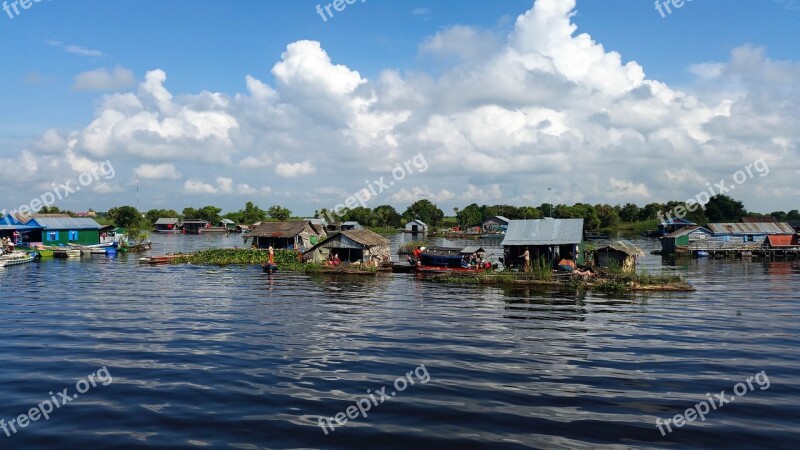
(271, 255)
(417, 252)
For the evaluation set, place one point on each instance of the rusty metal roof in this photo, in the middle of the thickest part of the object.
(751, 228)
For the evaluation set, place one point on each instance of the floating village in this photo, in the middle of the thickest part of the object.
(545, 251)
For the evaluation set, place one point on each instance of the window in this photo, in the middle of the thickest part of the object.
(52, 236)
(73, 236)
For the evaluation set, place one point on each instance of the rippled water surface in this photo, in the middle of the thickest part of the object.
(212, 357)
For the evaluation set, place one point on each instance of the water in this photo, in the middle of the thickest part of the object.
(206, 357)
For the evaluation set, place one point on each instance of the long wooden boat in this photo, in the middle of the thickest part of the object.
(17, 258)
(440, 269)
(163, 259)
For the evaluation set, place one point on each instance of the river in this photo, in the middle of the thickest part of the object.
(209, 357)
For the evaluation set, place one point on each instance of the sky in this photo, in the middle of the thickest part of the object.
(388, 102)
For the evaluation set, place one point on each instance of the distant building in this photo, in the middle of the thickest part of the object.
(193, 226)
(684, 237)
(351, 225)
(228, 224)
(416, 226)
(495, 224)
(168, 225)
(749, 232)
(548, 239)
(297, 235)
(671, 225)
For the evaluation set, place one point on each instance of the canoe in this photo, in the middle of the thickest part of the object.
(439, 269)
(163, 259)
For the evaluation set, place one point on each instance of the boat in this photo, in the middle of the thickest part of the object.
(17, 258)
(269, 267)
(440, 269)
(701, 254)
(596, 236)
(493, 236)
(163, 259)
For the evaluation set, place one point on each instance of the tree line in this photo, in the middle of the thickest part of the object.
(720, 208)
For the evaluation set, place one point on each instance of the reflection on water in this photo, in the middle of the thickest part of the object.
(234, 358)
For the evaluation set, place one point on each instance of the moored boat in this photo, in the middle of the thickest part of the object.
(163, 259)
(17, 258)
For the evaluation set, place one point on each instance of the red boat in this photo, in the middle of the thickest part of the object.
(163, 259)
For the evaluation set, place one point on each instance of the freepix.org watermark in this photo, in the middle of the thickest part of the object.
(417, 164)
(338, 5)
(63, 190)
(15, 7)
(43, 409)
(713, 403)
(667, 5)
(720, 188)
(361, 406)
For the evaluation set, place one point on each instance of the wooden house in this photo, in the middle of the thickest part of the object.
(297, 235)
(351, 225)
(53, 229)
(351, 246)
(683, 238)
(619, 254)
(495, 224)
(548, 239)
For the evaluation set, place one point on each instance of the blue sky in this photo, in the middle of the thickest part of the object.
(211, 47)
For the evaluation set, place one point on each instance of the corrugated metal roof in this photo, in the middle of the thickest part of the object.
(167, 221)
(759, 219)
(686, 230)
(783, 241)
(228, 221)
(751, 228)
(416, 221)
(67, 223)
(544, 232)
(471, 249)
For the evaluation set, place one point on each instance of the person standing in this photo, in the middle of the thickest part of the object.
(271, 255)
(527, 257)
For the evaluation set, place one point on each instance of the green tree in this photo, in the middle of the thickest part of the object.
(469, 216)
(278, 212)
(650, 211)
(249, 215)
(630, 213)
(425, 211)
(125, 216)
(608, 216)
(359, 214)
(722, 208)
(386, 216)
